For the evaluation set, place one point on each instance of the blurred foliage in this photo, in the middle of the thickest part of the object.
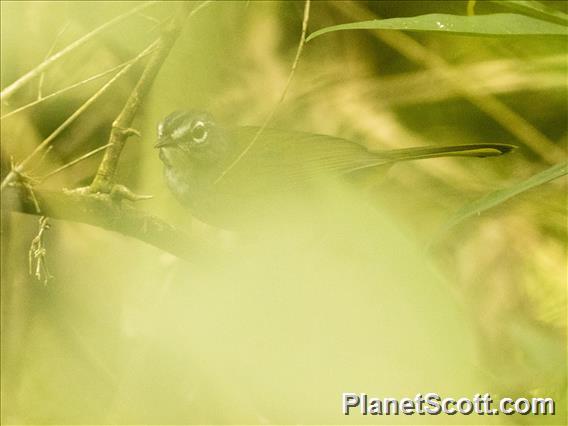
(496, 24)
(126, 334)
(495, 198)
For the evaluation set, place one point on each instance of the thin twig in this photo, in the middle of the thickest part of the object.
(9, 90)
(30, 189)
(75, 161)
(150, 18)
(43, 156)
(301, 44)
(49, 53)
(73, 86)
(45, 143)
(120, 131)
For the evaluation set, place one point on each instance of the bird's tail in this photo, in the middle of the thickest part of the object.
(471, 150)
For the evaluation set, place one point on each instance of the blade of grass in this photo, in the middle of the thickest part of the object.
(498, 197)
(536, 9)
(489, 104)
(498, 24)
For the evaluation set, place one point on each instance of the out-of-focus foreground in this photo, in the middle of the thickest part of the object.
(275, 330)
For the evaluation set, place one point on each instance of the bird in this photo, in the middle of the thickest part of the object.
(231, 176)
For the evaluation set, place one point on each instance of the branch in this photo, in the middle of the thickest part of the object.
(120, 132)
(19, 168)
(102, 211)
(101, 203)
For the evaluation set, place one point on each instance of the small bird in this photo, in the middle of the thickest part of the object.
(229, 176)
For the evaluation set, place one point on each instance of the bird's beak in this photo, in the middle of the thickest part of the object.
(164, 142)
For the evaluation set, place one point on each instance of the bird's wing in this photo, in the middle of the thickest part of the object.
(284, 160)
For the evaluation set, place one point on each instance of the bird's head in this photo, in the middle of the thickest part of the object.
(192, 135)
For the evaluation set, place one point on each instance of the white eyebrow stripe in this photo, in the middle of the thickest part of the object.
(160, 130)
(181, 131)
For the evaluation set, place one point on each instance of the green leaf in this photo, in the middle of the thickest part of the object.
(498, 24)
(537, 9)
(498, 197)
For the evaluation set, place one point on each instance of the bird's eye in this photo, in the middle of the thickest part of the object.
(199, 133)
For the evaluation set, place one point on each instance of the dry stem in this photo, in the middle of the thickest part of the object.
(9, 90)
(301, 44)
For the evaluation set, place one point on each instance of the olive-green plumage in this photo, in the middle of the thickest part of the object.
(207, 171)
